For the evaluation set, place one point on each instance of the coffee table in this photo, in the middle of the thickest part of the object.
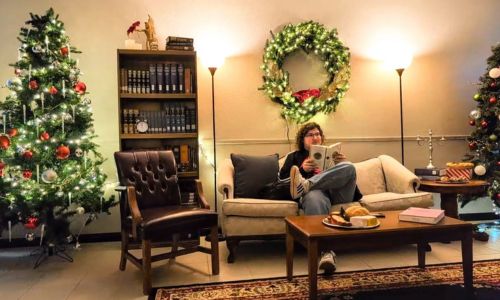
(317, 237)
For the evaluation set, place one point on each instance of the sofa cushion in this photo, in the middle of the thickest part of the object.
(252, 173)
(259, 208)
(394, 201)
(370, 176)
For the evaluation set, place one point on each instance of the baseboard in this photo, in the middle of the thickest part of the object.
(84, 238)
(479, 216)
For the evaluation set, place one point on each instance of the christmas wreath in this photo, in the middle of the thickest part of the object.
(310, 36)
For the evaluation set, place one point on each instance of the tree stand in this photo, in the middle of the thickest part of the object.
(47, 250)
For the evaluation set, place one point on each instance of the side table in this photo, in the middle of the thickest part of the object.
(449, 192)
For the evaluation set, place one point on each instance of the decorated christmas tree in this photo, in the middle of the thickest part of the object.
(49, 164)
(483, 141)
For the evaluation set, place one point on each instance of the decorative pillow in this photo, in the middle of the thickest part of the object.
(252, 173)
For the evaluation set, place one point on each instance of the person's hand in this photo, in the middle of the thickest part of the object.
(339, 157)
(308, 165)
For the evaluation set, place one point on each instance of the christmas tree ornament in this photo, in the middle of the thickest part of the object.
(484, 124)
(28, 154)
(86, 101)
(477, 96)
(472, 122)
(30, 236)
(49, 176)
(493, 100)
(4, 142)
(493, 137)
(494, 73)
(12, 132)
(17, 72)
(472, 145)
(62, 152)
(80, 210)
(53, 90)
(475, 114)
(31, 223)
(27, 174)
(493, 84)
(64, 51)
(33, 84)
(45, 136)
(79, 152)
(479, 170)
(37, 49)
(2, 167)
(80, 87)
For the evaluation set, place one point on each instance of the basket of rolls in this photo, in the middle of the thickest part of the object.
(353, 217)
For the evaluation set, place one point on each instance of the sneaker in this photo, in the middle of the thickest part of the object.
(298, 185)
(328, 262)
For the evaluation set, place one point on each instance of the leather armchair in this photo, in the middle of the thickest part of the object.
(151, 211)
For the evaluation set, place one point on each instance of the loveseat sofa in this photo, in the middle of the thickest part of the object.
(383, 181)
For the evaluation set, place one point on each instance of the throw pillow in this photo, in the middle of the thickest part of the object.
(252, 173)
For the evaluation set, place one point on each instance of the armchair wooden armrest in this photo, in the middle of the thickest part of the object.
(200, 196)
(134, 210)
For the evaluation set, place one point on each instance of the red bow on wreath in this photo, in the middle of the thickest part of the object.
(303, 95)
(133, 27)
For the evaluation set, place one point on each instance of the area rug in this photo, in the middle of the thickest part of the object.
(434, 282)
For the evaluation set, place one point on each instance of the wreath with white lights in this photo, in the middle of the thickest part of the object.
(309, 37)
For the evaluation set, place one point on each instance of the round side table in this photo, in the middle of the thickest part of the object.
(449, 192)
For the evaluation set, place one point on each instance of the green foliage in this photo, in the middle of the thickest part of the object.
(46, 110)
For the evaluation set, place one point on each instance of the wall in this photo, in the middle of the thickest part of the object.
(450, 39)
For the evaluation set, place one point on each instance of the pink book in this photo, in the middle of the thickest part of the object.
(422, 215)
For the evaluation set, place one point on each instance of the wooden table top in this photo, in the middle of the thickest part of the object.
(311, 226)
(471, 187)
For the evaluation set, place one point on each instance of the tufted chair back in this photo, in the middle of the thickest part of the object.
(153, 174)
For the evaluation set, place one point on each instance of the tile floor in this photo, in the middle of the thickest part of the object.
(94, 274)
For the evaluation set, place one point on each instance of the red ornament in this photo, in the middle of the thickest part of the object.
(493, 84)
(498, 196)
(493, 100)
(2, 166)
(27, 174)
(80, 87)
(62, 152)
(473, 145)
(45, 136)
(53, 90)
(4, 142)
(64, 51)
(472, 122)
(17, 72)
(33, 85)
(28, 154)
(12, 132)
(31, 223)
(484, 124)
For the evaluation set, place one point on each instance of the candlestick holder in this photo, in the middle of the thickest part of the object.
(429, 139)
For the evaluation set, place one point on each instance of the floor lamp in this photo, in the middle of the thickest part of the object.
(212, 73)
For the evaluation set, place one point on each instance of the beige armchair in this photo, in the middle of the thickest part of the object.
(383, 181)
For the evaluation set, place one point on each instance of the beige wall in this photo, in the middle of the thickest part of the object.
(450, 39)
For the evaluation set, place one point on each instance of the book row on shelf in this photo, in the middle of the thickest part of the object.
(179, 43)
(159, 78)
(173, 118)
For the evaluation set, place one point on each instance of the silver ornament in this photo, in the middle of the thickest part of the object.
(60, 194)
(30, 236)
(475, 114)
(79, 152)
(49, 176)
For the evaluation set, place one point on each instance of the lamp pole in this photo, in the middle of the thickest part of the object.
(212, 73)
(400, 73)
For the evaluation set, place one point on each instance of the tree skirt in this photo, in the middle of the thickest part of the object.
(435, 282)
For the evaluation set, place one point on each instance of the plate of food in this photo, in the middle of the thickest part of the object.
(446, 179)
(354, 217)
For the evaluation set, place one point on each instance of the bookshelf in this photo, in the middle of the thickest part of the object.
(159, 88)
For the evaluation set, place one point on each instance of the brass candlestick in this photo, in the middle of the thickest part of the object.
(428, 139)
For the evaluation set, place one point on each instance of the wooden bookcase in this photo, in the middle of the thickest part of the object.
(172, 116)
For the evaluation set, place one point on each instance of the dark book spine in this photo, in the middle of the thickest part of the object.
(193, 120)
(159, 77)
(182, 118)
(129, 81)
(187, 118)
(185, 44)
(180, 77)
(179, 39)
(152, 78)
(167, 118)
(183, 48)
(174, 78)
(168, 78)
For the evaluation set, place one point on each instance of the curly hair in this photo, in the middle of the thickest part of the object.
(301, 134)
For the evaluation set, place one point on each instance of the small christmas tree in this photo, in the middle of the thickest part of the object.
(485, 118)
(49, 164)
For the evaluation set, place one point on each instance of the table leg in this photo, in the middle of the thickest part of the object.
(449, 205)
(467, 260)
(289, 254)
(421, 248)
(312, 253)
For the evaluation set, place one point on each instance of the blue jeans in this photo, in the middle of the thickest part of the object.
(333, 186)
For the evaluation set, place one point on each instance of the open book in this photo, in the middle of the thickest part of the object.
(323, 156)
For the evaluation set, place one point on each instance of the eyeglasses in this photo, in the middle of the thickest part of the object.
(315, 134)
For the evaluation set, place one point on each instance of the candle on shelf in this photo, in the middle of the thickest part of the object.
(129, 44)
(24, 114)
